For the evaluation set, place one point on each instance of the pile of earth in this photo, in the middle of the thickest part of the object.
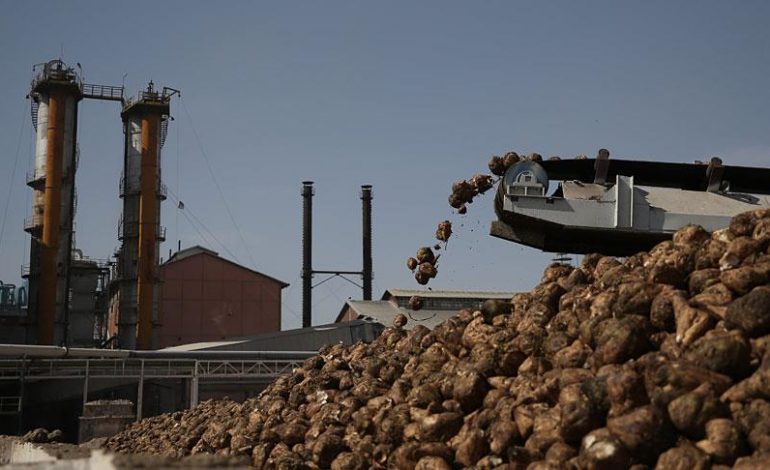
(659, 360)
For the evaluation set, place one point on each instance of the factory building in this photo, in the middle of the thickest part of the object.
(204, 297)
(88, 301)
(73, 300)
(68, 294)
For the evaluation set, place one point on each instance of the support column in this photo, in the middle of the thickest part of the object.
(194, 386)
(85, 389)
(140, 393)
(20, 418)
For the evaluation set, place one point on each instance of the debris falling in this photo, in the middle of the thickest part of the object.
(464, 192)
(444, 231)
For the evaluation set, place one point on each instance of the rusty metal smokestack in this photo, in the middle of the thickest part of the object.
(52, 218)
(366, 198)
(55, 93)
(307, 252)
(145, 119)
(148, 225)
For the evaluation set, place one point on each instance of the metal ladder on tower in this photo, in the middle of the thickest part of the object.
(34, 111)
(163, 131)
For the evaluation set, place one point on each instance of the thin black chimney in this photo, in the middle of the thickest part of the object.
(366, 198)
(307, 252)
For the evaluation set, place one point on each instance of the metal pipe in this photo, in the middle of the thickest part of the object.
(161, 354)
(307, 252)
(366, 198)
(30, 350)
(601, 166)
(51, 216)
(148, 222)
(124, 326)
(69, 225)
(37, 351)
(714, 173)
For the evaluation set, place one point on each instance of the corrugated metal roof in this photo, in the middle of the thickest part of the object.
(300, 339)
(448, 294)
(383, 312)
(203, 345)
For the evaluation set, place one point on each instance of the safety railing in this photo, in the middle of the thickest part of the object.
(35, 177)
(103, 92)
(10, 405)
(55, 70)
(148, 97)
(214, 369)
(32, 224)
(131, 230)
(125, 190)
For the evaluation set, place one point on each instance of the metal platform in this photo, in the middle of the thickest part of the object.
(135, 368)
(102, 92)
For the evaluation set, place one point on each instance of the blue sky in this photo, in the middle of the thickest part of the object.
(406, 96)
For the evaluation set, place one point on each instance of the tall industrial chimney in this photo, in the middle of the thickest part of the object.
(145, 119)
(366, 198)
(307, 249)
(56, 91)
(307, 252)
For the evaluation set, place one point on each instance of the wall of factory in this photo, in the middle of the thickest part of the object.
(207, 298)
(84, 281)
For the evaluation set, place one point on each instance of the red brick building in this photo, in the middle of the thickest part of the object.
(204, 297)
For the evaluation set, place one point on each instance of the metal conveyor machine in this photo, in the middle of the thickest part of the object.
(620, 207)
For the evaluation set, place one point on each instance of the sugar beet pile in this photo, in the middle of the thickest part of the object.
(661, 360)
